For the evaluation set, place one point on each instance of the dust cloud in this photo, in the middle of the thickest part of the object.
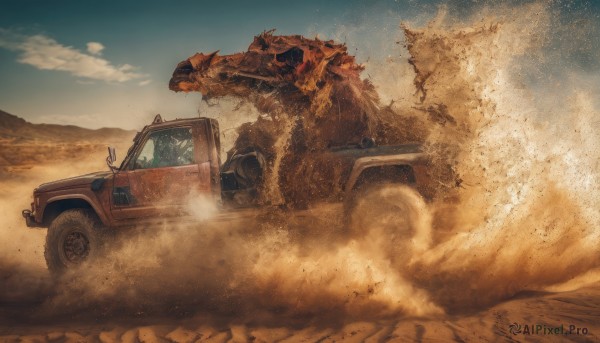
(522, 215)
(525, 217)
(274, 268)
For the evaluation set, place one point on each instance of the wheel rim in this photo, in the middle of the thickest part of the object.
(76, 247)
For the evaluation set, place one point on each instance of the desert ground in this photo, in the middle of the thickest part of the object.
(579, 307)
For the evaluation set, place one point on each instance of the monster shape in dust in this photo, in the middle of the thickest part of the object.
(313, 98)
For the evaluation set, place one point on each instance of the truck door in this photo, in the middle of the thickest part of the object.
(163, 176)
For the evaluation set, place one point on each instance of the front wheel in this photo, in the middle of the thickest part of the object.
(73, 237)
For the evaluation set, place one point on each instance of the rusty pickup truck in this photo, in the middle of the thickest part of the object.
(170, 161)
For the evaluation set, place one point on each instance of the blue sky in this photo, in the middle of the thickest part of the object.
(108, 63)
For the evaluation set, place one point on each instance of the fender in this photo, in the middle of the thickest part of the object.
(363, 163)
(79, 196)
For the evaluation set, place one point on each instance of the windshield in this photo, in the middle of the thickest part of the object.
(166, 148)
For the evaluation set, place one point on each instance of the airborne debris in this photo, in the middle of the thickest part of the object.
(313, 98)
(294, 76)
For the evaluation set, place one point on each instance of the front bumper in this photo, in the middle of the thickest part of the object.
(30, 219)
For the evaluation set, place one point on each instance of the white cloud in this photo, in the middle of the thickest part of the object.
(144, 82)
(95, 48)
(46, 53)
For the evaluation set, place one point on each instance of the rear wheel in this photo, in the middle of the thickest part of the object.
(73, 237)
(391, 218)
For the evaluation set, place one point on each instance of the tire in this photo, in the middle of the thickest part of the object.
(74, 237)
(391, 218)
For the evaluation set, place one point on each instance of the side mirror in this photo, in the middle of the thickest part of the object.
(111, 158)
(112, 154)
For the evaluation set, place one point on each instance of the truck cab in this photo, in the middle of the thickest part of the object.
(167, 163)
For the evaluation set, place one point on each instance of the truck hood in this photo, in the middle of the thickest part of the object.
(73, 182)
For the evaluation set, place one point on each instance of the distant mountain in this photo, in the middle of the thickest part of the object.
(17, 130)
(23, 144)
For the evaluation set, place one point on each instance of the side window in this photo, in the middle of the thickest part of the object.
(167, 148)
